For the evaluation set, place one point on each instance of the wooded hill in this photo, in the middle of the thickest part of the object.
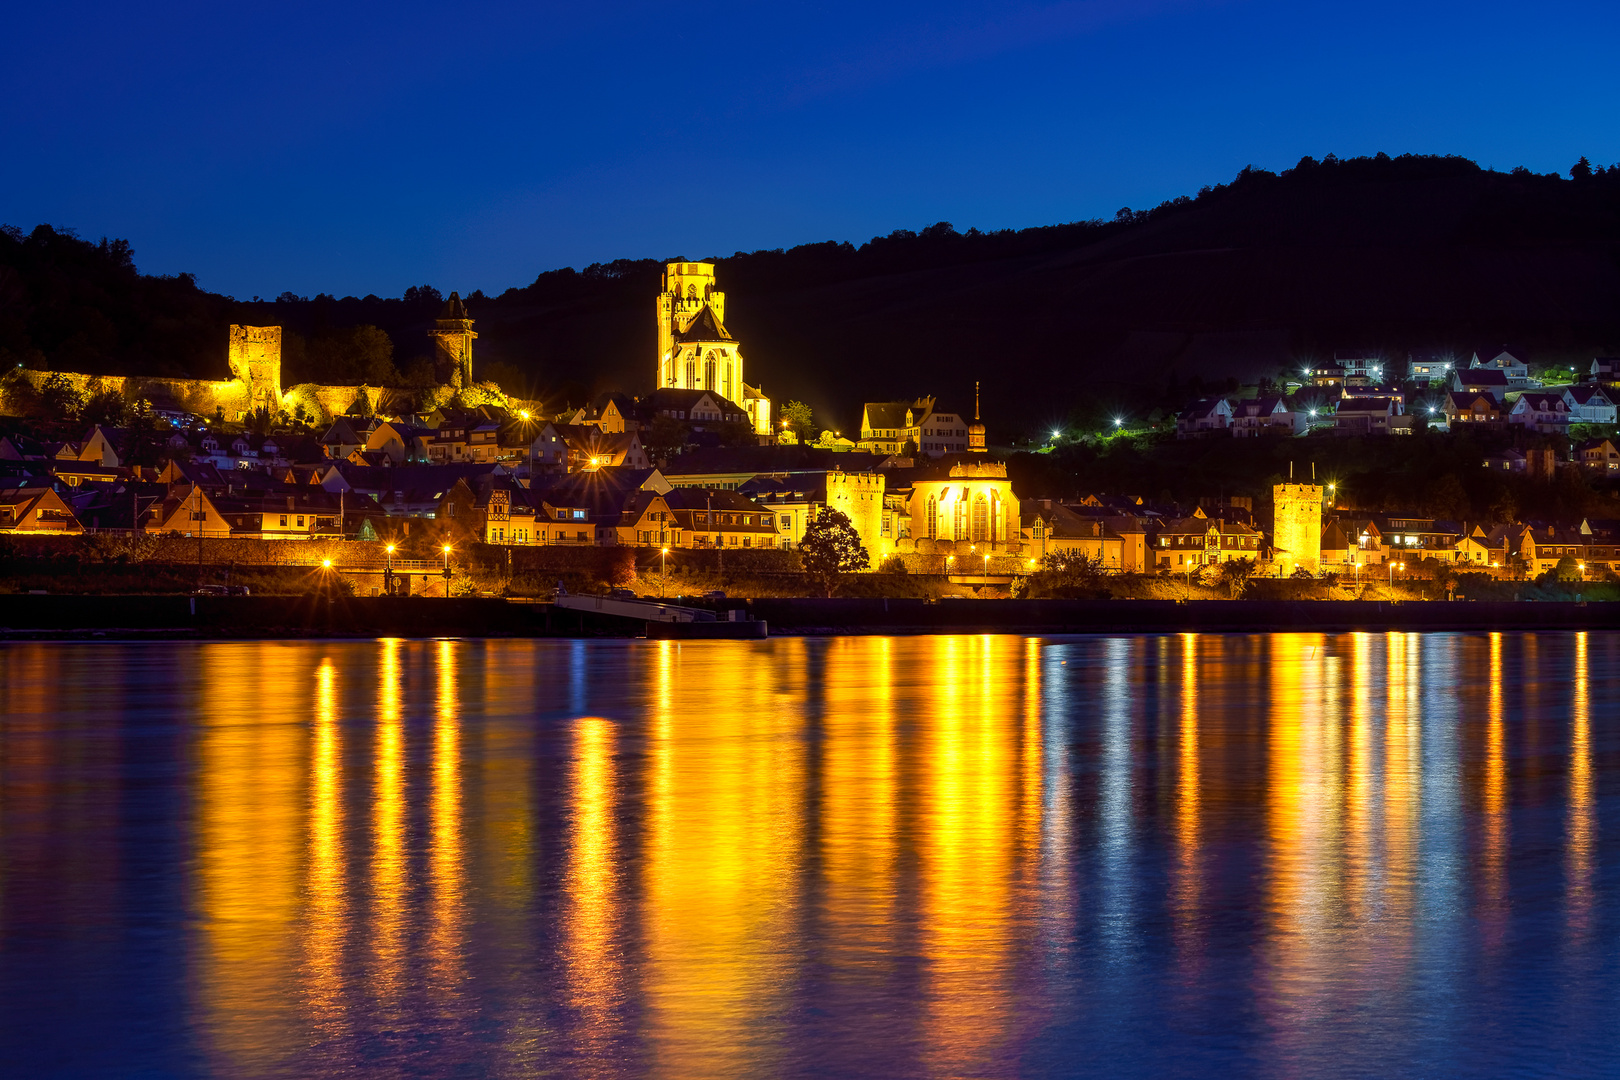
(1065, 321)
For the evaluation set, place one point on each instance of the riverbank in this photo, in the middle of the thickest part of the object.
(161, 617)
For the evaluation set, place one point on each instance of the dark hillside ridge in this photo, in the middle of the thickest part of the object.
(1245, 279)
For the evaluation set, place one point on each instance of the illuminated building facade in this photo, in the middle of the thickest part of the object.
(971, 504)
(695, 350)
(1297, 529)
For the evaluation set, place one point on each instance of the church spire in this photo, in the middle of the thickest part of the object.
(976, 444)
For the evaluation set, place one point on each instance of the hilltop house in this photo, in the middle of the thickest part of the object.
(1512, 363)
(1589, 404)
(1481, 380)
(1545, 413)
(1598, 455)
(1267, 415)
(1473, 407)
(1206, 416)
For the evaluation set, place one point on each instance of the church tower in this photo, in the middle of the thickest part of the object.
(453, 335)
(695, 351)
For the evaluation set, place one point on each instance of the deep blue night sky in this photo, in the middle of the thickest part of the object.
(315, 148)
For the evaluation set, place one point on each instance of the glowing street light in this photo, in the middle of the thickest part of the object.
(326, 564)
(1394, 566)
(663, 557)
(446, 550)
(524, 415)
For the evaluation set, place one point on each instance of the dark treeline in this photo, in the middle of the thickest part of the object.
(1061, 321)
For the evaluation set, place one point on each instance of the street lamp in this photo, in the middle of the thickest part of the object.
(446, 550)
(1394, 566)
(388, 572)
(663, 556)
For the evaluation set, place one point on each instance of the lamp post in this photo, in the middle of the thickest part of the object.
(1394, 566)
(388, 572)
(528, 433)
(663, 557)
(446, 550)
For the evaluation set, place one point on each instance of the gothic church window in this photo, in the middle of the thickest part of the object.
(933, 517)
(981, 520)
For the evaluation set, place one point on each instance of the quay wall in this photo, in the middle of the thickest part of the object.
(322, 614)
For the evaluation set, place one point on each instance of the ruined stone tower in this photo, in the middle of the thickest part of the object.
(255, 359)
(453, 335)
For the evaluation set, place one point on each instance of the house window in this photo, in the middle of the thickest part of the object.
(283, 521)
(300, 521)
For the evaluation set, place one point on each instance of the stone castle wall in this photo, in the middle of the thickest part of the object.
(254, 359)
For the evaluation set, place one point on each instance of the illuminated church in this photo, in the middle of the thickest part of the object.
(695, 351)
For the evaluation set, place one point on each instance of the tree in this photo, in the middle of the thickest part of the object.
(1448, 498)
(665, 436)
(355, 354)
(800, 420)
(1235, 574)
(60, 399)
(831, 547)
(143, 438)
(107, 409)
(1066, 573)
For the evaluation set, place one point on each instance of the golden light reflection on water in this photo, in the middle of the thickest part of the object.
(1582, 812)
(1188, 804)
(388, 855)
(682, 856)
(593, 947)
(252, 843)
(721, 872)
(1493, 878)
(446, 862)
(969, 852)
(327, 887)
(1304, 801)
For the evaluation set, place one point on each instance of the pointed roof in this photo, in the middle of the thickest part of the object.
(704, 328)
(453, 308)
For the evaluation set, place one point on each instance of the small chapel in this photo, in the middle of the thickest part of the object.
(695, 351)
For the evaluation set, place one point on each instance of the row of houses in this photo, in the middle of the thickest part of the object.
(1545, 412)
(1432, 367)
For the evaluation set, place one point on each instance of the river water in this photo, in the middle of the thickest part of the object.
(1186, 855)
